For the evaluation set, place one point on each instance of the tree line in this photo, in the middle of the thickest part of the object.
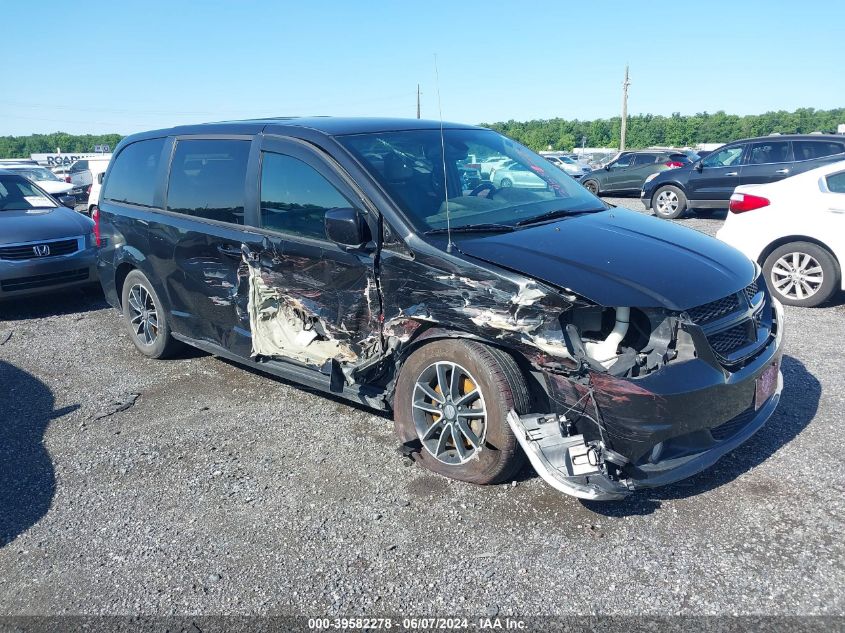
(23, 146)
(644, 130)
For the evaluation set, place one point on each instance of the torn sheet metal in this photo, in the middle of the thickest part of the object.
(282, 326)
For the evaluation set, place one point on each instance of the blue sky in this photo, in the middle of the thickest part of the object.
(127, 66)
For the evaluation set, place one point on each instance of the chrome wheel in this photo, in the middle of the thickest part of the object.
(666, 202)
(592, 186)
(144, 315)
(797, 276)
(505, 183)
(449, 413)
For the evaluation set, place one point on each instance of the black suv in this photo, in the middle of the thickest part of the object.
(350, 255)
(708, 183)
(628, 171)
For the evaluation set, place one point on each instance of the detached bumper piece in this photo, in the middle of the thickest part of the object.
(581, 469)
(565, 462)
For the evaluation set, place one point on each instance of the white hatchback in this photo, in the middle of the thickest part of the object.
(795, 228)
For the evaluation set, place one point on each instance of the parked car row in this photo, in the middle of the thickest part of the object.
(708, 183)
(629, 170)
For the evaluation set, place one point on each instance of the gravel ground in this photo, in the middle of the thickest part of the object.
(222, 490)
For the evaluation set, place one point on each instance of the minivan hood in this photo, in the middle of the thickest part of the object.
(42, 224)
(620, 258)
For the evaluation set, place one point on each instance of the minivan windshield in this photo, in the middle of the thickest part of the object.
(17, 194)
(410, 166)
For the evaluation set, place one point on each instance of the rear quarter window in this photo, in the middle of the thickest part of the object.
(808, 150)
(133, 175)
(836, 182)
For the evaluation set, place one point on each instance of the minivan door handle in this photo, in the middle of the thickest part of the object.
(230, 250)
(732, 173)
(782, 171)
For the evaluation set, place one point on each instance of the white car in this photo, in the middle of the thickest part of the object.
(491, 164)
(570, 166)
(96, 168)
(83, 172)
(516, 174)
(41, 176)
(795, 228)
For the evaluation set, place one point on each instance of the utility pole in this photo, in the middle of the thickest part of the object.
(624, 128)
(418, 101)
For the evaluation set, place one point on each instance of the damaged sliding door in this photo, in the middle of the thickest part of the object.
(312, 301)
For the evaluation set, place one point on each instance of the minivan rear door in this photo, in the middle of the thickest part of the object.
(197, 244)
(325, 294)
(767, 161)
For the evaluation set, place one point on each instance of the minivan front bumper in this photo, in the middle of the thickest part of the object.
(653, 431)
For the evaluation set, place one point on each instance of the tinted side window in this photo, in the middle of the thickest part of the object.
(207, 179)
(645, 159)
(295, 197)
(80, 165)
(769, 152)
(724, 157)
(836, 182)
(133, 176)
(808, 150)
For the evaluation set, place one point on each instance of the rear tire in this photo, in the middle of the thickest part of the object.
(506, 182)
(802, 274)
(669, 202)
(146, 319)
(423, 417)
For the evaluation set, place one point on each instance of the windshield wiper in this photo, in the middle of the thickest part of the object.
(471, 228)
(560, 213)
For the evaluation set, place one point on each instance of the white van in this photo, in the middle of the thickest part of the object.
(87, 174)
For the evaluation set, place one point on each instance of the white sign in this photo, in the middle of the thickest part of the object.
(840, 129)
(59, 160)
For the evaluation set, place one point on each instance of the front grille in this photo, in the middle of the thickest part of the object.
(28, 251)
(733, 426)
(728, 341)
(751, 291)
(714, 310)
(41, 281)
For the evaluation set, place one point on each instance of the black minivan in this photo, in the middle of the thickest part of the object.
(349, 255)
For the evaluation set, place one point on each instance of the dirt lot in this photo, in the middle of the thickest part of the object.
(223, 490)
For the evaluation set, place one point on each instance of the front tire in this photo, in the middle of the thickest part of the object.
(592, 186)
(145, 317)
(669, 202)
(802, 274)
(463, 434)
(506, 182)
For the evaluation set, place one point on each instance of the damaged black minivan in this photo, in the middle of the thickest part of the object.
(614, 350)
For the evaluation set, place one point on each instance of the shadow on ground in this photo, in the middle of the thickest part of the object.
(55, 303)
(798, 405)
(27, 479)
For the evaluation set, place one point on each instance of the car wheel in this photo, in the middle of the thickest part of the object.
(506, 182)
(669, 203)
(592, 186)
(802, 274)
(146, 318)
(452, 401)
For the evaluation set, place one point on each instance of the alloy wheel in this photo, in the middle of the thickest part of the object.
(449, 412)
(797, 276)
(144, 315)
(666, 202)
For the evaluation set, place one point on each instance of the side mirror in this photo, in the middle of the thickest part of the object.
(100, 177)
(607, 167)
(699, 165)
(346, 226)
